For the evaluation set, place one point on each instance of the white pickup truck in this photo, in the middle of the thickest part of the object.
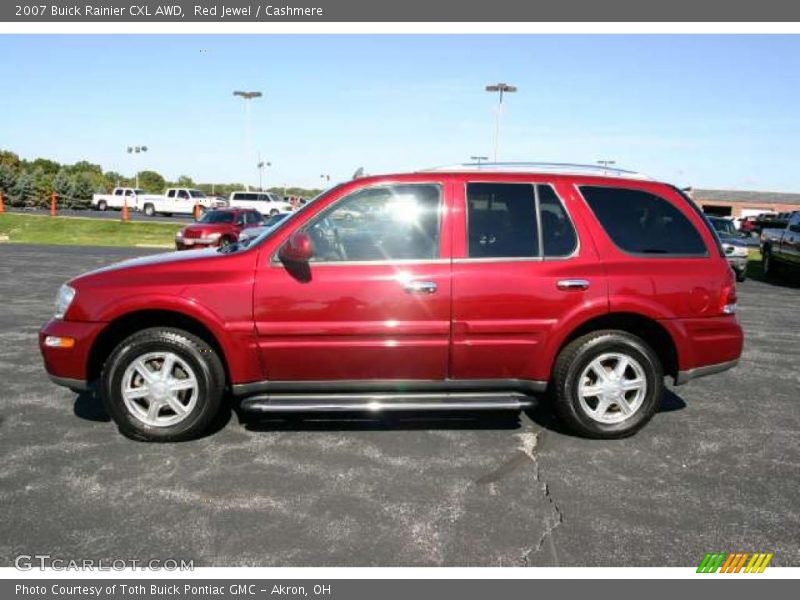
(117, 198)
(177, 201)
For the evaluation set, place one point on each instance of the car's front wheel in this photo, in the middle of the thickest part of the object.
(607, 384)
(149, 210)
(163, 385)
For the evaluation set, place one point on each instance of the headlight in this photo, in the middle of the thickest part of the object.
(179, 235)
(214, 236)
(66, 295)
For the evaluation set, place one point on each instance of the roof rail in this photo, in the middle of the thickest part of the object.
(543, 167)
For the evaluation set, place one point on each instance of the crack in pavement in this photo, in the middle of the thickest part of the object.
(530, 441)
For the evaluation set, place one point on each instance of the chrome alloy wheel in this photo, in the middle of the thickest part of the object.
(612, 388)
(159, 389)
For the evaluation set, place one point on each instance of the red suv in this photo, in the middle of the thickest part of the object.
(470, 287)
(219, 227)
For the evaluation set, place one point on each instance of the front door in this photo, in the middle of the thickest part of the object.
(373, 303)
(520, 275)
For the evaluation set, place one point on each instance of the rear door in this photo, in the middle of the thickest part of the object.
(374, 302)
(524, 270)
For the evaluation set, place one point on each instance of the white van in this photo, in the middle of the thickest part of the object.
(266, 203)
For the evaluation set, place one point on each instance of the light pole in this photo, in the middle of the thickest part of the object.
(502, 88)
(326, 179)
(247, 96)
(606, 163)
(137, 150)
(479, 159)
(261, 166)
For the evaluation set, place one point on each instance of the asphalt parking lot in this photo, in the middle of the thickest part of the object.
(716, 470)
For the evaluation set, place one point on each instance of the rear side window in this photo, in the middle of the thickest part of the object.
(502, 222)
(642, 223)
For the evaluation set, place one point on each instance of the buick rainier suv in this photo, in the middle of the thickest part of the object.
(461, 288)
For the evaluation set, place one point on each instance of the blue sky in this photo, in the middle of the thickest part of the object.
(708, 111)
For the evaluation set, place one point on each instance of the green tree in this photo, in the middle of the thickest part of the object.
(9, 159)
(62, 183)
(24, 189)
(152, 182)
(8, 178)
(81, 187)
(185, 181)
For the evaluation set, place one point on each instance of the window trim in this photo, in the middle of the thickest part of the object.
(275, 260)
(541, 258)
(647, 255)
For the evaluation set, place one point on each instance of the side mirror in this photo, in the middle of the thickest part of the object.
(299, 249)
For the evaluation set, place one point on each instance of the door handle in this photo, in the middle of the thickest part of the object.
(420, 287)
(573, 284)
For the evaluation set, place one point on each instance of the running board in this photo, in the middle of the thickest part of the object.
(385, 402)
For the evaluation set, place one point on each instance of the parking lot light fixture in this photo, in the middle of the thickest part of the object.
(501, 89)
(247, 96)
(479, 159)
(137, 150)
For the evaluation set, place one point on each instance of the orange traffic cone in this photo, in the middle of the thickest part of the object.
(125, 215)
(53, 205)
(196, 211)
(2, 206)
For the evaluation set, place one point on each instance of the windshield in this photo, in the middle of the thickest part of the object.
(217, 216)
(724, 227)
(196, 194)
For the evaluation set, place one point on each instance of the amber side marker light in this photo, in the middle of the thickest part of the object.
(52, 341)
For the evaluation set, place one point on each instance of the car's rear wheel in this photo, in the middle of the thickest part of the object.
(607, 384)
(163, 385)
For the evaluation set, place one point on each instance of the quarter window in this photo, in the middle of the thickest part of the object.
(642, 223)
(558, 234)
(399, 222)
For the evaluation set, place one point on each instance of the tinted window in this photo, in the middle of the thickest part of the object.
(558, 234)
(501, 219)
(171, 194)
(398, 222)
(642, 223)
(254, 218)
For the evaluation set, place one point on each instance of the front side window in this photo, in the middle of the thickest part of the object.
(642, 223)
(397, 222)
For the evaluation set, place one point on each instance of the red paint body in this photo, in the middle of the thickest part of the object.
(489, 319)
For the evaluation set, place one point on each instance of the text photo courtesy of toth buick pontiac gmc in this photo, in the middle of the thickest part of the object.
(461, 288)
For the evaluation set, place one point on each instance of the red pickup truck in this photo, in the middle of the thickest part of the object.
(468, 287)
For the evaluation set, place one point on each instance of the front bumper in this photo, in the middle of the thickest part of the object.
(738, 263)
(68, 366)
(194, 243)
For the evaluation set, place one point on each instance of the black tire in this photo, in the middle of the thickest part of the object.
(768, 265)
(576, 356)
(149, 210)
(197, 354)
(741, 276)
(225, 241)
(102, 205)
(273, 212)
